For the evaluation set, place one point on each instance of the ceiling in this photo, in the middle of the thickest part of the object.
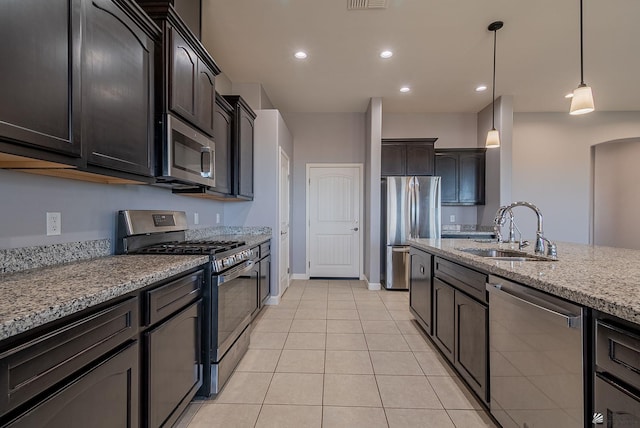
(442, 50)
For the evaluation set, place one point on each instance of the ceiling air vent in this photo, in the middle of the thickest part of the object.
(366, 4)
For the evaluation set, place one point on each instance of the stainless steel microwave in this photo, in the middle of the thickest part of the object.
(188, 156)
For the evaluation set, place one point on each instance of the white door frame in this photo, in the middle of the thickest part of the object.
(360, 203)
(282, 154)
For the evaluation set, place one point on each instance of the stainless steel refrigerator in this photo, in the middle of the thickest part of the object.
(411, 209)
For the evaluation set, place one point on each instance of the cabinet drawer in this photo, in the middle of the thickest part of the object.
(265, 249)
(168, 298)
(618, 352)
(465, 279)
(105, 396)
(33, 367)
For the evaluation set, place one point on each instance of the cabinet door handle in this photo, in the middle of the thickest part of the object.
(205, 162)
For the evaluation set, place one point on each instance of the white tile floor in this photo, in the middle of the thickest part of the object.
(334, 354)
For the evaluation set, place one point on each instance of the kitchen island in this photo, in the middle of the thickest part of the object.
(602, 278)
(540, 342)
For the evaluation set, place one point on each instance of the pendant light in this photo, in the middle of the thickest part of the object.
(582, 101)
(493, 137)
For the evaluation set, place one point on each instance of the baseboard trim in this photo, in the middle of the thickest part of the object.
(300, 276)
(373, 286)
(272, 300)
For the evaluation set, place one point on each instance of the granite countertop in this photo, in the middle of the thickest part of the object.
(603, 278)
(35, 297)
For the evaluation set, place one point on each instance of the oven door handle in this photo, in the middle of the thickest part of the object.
(248, 265)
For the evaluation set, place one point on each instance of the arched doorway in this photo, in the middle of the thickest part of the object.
(616, 193)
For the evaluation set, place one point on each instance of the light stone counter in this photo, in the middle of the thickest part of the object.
(603, 278)
(35, 297)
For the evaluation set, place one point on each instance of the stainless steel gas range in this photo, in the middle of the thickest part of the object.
(230, 297)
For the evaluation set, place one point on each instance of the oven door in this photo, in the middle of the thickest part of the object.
(189, 156)
(237, 299)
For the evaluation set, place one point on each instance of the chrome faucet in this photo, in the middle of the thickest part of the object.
(500, 220)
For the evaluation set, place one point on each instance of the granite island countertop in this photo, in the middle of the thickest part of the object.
(35, 297)
(602, 278)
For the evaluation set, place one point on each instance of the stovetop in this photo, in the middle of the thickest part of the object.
(201, 247)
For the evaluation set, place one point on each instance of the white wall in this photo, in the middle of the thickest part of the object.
(88, 210)
(270, 133)
(498, 159)
(319, 138)
(254, 94)
(552, 167)
(371, 228)
(616, 200)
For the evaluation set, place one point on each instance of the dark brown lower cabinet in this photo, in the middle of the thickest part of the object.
(444, 317)
(616, 406)
(264, 281)
(174, 365)
(471, 347)
(420, 287)
(104, 396)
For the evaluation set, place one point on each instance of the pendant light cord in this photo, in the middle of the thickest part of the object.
(493, 93)
(581, 50)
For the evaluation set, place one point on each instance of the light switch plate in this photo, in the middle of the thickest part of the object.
(196, 218)
(452, 218)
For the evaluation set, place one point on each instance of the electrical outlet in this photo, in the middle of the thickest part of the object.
(196, 218)
(452, 218)
(54, 224)
(217, 218)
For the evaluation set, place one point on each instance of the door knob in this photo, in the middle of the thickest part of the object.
(355, 229)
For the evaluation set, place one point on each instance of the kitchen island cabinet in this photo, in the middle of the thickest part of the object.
(601, 280)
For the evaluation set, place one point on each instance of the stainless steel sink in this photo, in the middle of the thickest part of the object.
(507, 255)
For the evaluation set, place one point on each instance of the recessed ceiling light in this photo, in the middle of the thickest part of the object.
(300, 55)
(569, 95)
(386, 54)
(405, 89)
(481, 88)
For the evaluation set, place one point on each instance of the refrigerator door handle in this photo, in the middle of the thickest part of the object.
(412, 207)
(416, 201)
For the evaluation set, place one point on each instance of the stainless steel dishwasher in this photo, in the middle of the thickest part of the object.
(535, 354)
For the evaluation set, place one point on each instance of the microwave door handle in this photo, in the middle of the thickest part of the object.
(205, 162)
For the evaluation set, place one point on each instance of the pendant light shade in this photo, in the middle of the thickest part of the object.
(493, 137)
(582, 101)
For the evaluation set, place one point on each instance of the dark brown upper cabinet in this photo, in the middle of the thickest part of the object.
(186, 78)
(242, 144)
(463, 175)
(78, 89)
(407, 156)
(192, 85)
(223, 128)
(117, 88)
(40, 78)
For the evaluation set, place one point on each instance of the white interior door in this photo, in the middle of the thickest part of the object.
(334, 235)
(283, 268)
